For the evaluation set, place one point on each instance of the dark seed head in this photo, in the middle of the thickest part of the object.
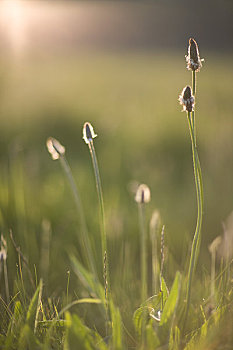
(193, 50)
(142, 194)
(193, 58)
(88, 132)
(187, 93)
(186, 99)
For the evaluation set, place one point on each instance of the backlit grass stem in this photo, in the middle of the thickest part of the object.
(193, 112)
(100, 197)
(196, 239)
(194, 84)
(88, 136)
(142, 224)
(85, 236)
(154, 226)
(142, 197)
(57, 151)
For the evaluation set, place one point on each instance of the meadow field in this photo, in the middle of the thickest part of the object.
(131, 99)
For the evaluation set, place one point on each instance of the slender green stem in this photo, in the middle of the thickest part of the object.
(67, 286)
(194, 89)
(193, 112)
(85, 236)
(212, 279)
(100, 196)
(197, 234)
(102, 228)
(142, 224)
(6, 283)
(161, 265)
(154, 262)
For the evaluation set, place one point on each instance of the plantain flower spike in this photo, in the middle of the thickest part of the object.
(142, 194)
(186, 99)
(193, 58)
(55, 148)
(88, 133)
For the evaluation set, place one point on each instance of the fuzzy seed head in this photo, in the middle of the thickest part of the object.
(193, 58)
(142, 194)
(88, 133)
(186, 99)
(55, 148)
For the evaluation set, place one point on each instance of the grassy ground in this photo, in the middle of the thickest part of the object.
(131, 99)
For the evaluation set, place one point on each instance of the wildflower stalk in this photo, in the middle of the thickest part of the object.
(161, 265)
(142, 197)
(199, 192)
(142, 224)
(100, 197)
(88, 135)
(193, 112)
(57, 151)
(85, 236)
(187, 100)
(154, 225)
(194, 83)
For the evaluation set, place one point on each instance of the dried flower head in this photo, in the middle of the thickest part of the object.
(88, 133)
(187, 99)
(55, 148)
(193, 58)
(142, 194)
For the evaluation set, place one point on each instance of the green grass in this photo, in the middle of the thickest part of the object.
(131, 100)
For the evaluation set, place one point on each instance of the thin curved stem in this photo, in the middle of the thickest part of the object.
(193, 112)
(199, 192)
(142, 224)
(85, 236)
(102, 228)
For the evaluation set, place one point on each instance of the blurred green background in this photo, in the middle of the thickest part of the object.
(120, 66)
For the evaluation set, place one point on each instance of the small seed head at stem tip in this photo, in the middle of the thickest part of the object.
(88, 133)
(193, 58)
(55, 148)
(142, 194)
(186, 99)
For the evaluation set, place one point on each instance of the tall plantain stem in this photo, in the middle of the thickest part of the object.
(199, 192)
(85, 236)
(102, 228)
(142, 224)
